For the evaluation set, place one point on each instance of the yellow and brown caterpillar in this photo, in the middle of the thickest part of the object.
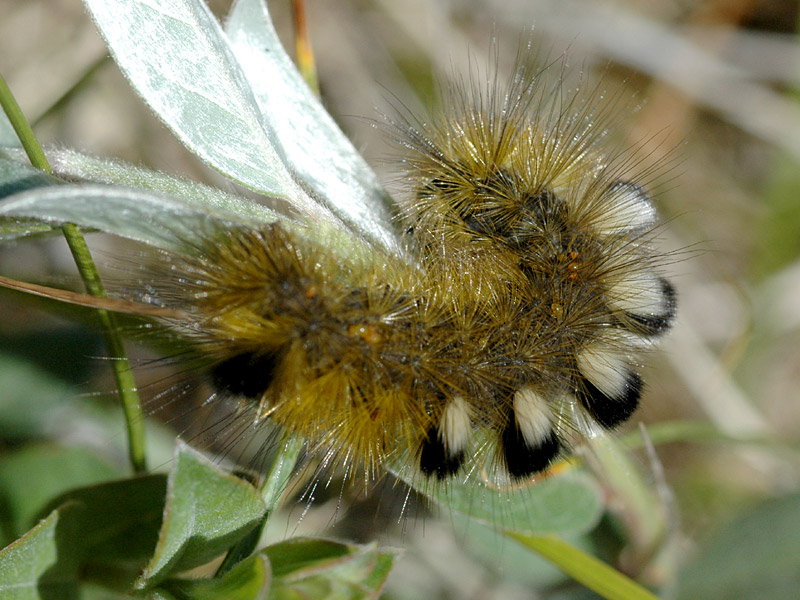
(530, 292)
(526, 291)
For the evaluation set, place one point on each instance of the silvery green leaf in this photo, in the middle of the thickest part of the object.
(313, 145)
(16, 177)
(568, 503)
(74, 165)
(176, 56)
(141, 215)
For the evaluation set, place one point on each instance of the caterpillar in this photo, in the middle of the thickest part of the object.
(509, 323)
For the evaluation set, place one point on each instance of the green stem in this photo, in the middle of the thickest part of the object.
(91, 278)
(123, 376)
(585, 568)
(23, 129)
(303, 51)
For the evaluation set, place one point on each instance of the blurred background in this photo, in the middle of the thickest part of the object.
(715, 96)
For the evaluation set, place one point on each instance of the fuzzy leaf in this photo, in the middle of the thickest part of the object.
(17, 177)
(199, 523)
(313, 145)
(43, 564)
(33, 475)
(568, 503)
(120, 519)
(140, 215)
(316, 568)
(249, 580)
(73, 166)
(176, 56)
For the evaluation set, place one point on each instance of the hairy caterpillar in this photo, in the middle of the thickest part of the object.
(509, 324)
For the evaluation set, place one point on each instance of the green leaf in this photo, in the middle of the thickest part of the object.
(296, 554)
(74, 166)
(312, 144)
(140, 215)
(275, 483)
(43, 564)
(17, 177)
(280, 472)
(316, 568)
(207, 511)
(176, 56)
(492, 548)
(248, 580)
(567, 503)
(32, 476)
(11, 229)
(114, 527)
(384, 562)
(755, 556)
(120, 520)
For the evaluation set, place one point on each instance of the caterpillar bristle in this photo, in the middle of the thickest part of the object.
(528, 292)
(531, 289)
(513, 191)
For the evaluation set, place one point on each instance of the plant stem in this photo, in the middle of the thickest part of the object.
(123, 376)
(302, 44)
(23, 129)
(134, 416)
(585, 568)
